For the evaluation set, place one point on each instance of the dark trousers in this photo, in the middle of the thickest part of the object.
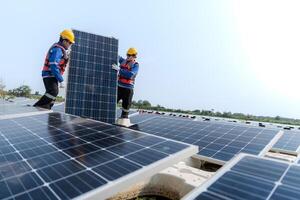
(125, 95)
(48, 99)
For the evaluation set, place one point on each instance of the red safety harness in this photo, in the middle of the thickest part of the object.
(127, 65)
(63, 62)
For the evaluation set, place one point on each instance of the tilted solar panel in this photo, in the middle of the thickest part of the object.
(12, 110)
(289, 142)
(251, 177)
(92, 83)
(59, 156)
(217, 142)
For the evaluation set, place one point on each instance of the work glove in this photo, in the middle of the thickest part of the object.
(61, 85)
(115, 67)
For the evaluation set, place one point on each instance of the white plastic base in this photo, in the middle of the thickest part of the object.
(124, 122)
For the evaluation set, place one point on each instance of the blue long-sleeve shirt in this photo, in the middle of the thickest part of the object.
(128, 74)
(55, 56)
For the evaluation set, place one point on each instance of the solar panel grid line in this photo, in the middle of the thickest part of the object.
(11, 116)
(139, 175)
(276, 173)
(288, 143)
(145, 134)
(194, 193)
(207, 135)
(70, 174)
(271, 143)
(217, 160)
(86, 91)
(277, 183)
(44, 182)
(97, 122)
(145, 119)
(99, 147)
(64, 177)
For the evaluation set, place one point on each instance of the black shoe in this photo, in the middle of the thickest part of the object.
(124, 115)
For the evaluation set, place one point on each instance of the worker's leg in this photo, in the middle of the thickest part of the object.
(48, 99)
(120, 94)
(126, 102)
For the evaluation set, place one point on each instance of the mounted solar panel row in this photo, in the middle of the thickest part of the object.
(92, 83)
(12, 110)
(289, 142)
(59, 156)
(251, 177)
(217, 142)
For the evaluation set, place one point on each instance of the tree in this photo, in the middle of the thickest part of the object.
(2, 87)
(146, 104)
(22, 91)
(277, 118)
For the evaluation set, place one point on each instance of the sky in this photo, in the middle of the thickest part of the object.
(233, 55)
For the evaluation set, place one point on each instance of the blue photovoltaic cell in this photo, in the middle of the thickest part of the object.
(218, 141)
(60, 156)
(92, 83)
(136, 119)
(289, 142)
(253, 178)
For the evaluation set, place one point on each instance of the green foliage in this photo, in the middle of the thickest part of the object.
(22, 91)
(2, 91)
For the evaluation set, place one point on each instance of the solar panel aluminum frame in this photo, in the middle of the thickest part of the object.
(262, 153)
(279, 150)
(125, 182)
(67, 79)
(203, 188)
(113, 187)
(284, 151)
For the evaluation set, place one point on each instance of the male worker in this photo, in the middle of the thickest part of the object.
(128, 70)
(55, 63)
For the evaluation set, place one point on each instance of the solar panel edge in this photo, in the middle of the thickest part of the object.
(27, 114)
(188, 151)
(279, 150)
(277, 147)
(111, 37)
(269, 146)
(104, 52)
(126, 181)
(227, 168)
(219, 156)
(210, 159)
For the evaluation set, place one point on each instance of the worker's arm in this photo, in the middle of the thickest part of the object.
(129, 74)
(54, 59)
(121, 59)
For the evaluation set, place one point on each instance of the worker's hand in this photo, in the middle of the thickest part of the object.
(115, 67)
(61, 85)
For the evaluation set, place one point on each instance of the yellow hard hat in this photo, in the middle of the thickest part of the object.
(68, 35)
(132, 51)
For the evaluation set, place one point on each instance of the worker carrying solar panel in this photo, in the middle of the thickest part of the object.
(55, 63)
(128, 70)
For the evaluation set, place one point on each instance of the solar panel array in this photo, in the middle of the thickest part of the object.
(218, 142)
(289, 142)
(59, 156)
(9, 110)
(92, 83)
(59, 107)
(250, 177)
